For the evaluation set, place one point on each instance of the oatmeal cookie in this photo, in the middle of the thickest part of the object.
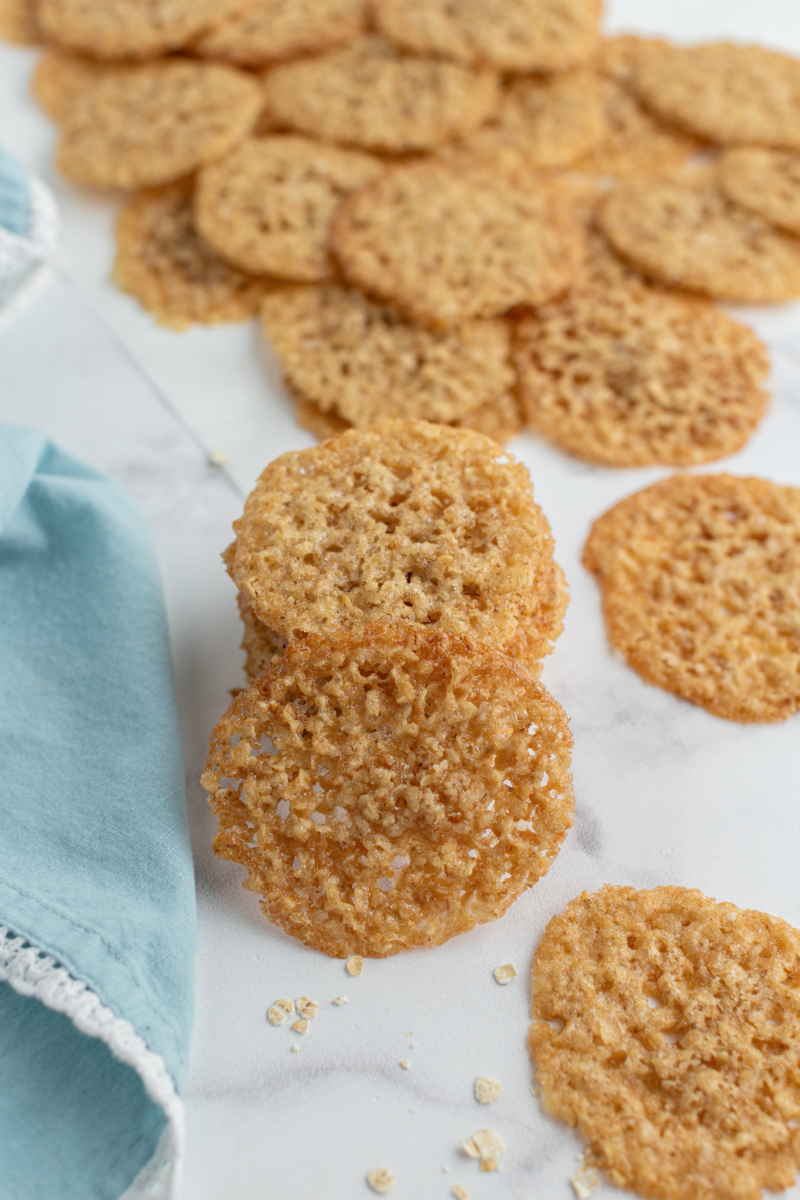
(114, 29)
(699, 576)
(18, 23)
(629, 376)
(765, 181)
(667, 1028)
(267, 31)
(390, 788)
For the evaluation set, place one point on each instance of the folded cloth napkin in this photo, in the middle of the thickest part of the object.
(28, 225)
(97, 917)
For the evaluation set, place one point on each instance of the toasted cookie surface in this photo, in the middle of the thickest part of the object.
(129, 28)
(267, 206)
(370, 94)
(542, 122)
(270, 30)
(18, 23)
(699, 576)
(366, 363)
(404, 522)
(684, 231)
(766, 181)
(530, 35)
(727, 93)
(60, 76)
(405, 800)
(163, 262)
(628, 376)
(150, 124)
(667, 1028)
(445, 246)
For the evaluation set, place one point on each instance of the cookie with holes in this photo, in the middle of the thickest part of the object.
(667, 1029)
(403, 523)
(389, 788)
(699, 576)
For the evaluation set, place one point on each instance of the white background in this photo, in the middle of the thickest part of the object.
(665, 793)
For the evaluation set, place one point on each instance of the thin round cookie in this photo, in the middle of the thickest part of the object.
(541, 122)
(163, 262)
(267, 206)
(113, 29)
(683, 231)
(403, 523)
(371, 95)
(445, 246)
(416, 784)
(366, 363)
(765, 181)
(667, 1028)
(529, 35)
(60, 77)
(629, 376)
(724, 92)
(699, 577)
(267, 31)
(18, 23)
(151, 124)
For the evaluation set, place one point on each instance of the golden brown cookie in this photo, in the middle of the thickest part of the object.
(129, 28)
(727, 93)
(268, 31)
(637, 142)
(60, 77)
(260, 643)
(548, 121)
(163, 262)
(766, 181)
(683, 231)
(405, 523)
(365, 363)
(667, 1028)
(369, 94)
(501, 419)
(629, 376)
(582, 195)
(529, 35)
(617, 57)
(415, 784)
(699, 581)
(267, 206)
(151, 124)
(18, 23)
(444, 246)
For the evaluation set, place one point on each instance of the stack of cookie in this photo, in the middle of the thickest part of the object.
(392, 775)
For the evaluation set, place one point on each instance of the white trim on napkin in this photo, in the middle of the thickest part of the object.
(32, 973)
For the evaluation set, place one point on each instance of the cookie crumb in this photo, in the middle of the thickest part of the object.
(218, 458)
(405, 1063)
(585, 1182)
(279, 1011)
(486, 1090)
(301, 1026)
(486, 1146)
(340, 1000)
(354, 964)
(295, 1048)
(505, 973)
(306, 1008)
(459, 1192)
(381, 1180)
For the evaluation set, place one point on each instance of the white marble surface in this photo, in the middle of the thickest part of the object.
(665, 792)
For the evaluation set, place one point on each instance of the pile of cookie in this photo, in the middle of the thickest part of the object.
(394, 773)
(480, 215)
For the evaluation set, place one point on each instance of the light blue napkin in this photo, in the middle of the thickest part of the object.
(96, 883)
(28, 225)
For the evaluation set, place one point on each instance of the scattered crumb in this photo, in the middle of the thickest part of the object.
(486, 1146)
(218, 458)
(486, 1090)
(306, 1008)
(354, 964)
(413, 1045)
(340, 1000)
(505, 973)
(405, 1063)
(279, 1011)
(445, 1168)
(295, 1048)
(381, 1180)
(410, 1033)
(301, 1026)
(585, 1182)
(459, 1192)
